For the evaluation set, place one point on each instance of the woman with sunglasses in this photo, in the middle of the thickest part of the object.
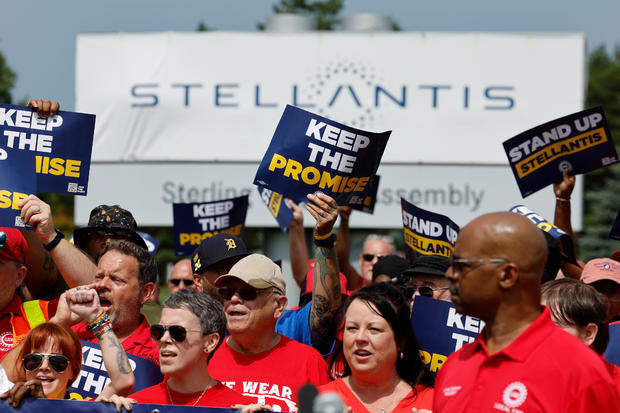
(380, 366)
(192, 327)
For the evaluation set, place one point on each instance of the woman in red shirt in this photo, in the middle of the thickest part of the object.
(382, 370)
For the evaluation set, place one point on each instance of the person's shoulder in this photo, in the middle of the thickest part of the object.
(290, 345)
(149, 394)
(332, 386)
(224, 392)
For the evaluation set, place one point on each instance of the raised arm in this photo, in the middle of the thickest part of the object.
(298, 250)
(563, 191)
(326, 295)
(343, 250)
(74, 265)
(84, 302)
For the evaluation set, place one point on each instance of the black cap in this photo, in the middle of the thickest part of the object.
(215, 249)
(430, 265)
(390, 265)
(112, 219)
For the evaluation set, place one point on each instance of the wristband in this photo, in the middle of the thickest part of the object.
(102, 319)
(325, 242)
(52, 244)
(322, 237)
(562, 199)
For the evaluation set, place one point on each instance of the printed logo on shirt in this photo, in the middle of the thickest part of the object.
(451, 391)
(514, 396)
(6, 341)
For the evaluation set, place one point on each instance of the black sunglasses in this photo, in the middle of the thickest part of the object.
(177, 281)
(370, 257)
(56, 361)
(246, 294)
(178, 333)
(426, 291)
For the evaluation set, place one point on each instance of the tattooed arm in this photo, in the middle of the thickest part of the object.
(326, 295)
(84, 302)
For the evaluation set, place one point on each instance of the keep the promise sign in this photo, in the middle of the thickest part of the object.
(60, 146)
(277, 206)
(580, 142)
(197, 221)
(15, 185)
(426, 232)
(440, 330)
(310, 153)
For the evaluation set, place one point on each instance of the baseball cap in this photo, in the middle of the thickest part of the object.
(217, 248)
(111, 219)
(390, 265)
(430, 265)
(256, 270)
(13, 245)
(601, 269)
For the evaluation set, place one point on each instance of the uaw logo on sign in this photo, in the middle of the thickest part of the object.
(513, 397)
(6, 341)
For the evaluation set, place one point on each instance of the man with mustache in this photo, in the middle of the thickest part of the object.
(521, 362)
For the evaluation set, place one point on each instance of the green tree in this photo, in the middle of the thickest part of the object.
(202, 27)
(325, 11)
(602, 187)
(7, 81)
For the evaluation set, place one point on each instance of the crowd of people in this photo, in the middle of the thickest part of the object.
(225, 337)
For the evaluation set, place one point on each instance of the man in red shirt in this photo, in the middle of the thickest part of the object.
(125, 279)
(521, 362)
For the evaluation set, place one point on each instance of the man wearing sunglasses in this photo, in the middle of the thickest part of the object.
(427, 277)
(181, 276)
(521, 361)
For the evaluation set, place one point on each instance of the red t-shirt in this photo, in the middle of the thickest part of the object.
(614, 371)
(217, 396)
(421, 399)
(139, 343)
(545, 369)
(272, 377)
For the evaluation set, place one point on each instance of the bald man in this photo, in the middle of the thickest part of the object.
(521, 362)
(181, 276)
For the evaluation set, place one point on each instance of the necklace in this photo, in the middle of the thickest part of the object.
(197, 400)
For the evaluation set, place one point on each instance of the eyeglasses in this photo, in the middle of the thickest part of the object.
(458, 264)
(56, 361)
(370, 257)
(426, 291)
(177, 281)
(2, 239)
(246, 294)
(178, 333)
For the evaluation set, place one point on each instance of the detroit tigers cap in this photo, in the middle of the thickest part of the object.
(215, 249)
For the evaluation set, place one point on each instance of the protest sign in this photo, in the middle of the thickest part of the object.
(197, 221)
(30, 405)
(440, 330)
(566, 242)
(277, 206)
(367, 201)
(60, 146)
(151, 243)
(615, 228)
(580, 142)
(310, 153)
(93, 377)
(426, 232)
(15, 185)
(612, 353)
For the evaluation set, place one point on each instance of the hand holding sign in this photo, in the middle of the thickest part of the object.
(38, 214)
(84, 302)
(564, 188)
(30, 388)
(325, 210)
(45, 108)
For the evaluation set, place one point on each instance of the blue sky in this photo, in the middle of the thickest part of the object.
(38, 38)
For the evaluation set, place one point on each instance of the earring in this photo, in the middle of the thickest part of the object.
(402, 355)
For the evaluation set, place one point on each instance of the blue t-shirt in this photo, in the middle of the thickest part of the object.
(295, 324)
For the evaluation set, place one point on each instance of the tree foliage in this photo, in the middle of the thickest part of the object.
(325, 11)
(602, 187)
(7, 81)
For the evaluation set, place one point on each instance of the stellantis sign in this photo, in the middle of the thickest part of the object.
(448, 97)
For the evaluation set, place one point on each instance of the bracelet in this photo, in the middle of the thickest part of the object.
(562, 199)
(99, 321)
(322, 237)
(104, 328)
(325, 242)
(52, 244)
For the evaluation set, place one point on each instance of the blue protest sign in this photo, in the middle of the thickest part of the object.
(197, 221)
(93, 377)
(310, 153)
(566, 242)
(615, 228)
(15, 185)
(368, 199)
(76, 406)
(580, 142)
(440, 330)
(426, 232)
(277, 206)
(612, 353)
(60, 146)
